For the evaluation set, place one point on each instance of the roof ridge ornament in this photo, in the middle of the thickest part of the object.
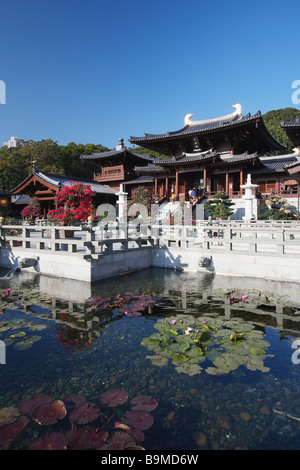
(237, 112)
(120, 145)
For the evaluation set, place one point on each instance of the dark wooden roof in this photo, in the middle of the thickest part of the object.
(119, 153)
(242, 133)
(53, 182)
(292, 130)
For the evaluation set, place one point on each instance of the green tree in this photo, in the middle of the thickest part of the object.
(219, 207)
(273, 119)
(278, 209)
(141, 196)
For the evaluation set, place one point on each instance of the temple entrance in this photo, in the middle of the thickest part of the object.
(188, 181)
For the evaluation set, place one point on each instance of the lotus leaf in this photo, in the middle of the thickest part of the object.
(9, 341)
(38, 327)
(220, 345)
(169, 331)
(158, 360)
(35, 338)
(190, 369)
(19, 334)
(23, 345)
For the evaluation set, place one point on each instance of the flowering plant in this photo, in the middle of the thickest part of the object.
(75, 204)
(32, 210)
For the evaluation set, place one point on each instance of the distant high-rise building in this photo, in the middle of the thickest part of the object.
(13, 142)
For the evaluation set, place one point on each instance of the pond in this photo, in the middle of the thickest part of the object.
(157, 359)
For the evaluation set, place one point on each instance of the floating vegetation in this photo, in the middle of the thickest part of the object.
(72, 320)
(19, 339)
(215, 345)
(76, 415)
(130, 304)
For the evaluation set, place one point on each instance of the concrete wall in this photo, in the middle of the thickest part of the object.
(270, 251)
(64, 265)
(120, 262)
(285, 268)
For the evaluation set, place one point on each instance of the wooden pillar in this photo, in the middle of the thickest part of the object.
(167, 187)
(227, 183)
(241, 180)
(155, 185)
(209, 186)
(176, 186)
(204, 179)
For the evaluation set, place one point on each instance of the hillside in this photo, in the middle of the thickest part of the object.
(273, 119)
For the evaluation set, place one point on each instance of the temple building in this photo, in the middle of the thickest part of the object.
(217, 154)
(292, 130)
(214, 155)
(117, 166)
(44, 185)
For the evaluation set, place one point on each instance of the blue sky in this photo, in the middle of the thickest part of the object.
(91, 71)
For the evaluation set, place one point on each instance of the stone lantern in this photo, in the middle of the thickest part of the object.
(250, 200)
(5, 202)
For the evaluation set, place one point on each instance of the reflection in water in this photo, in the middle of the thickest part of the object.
(88, 350)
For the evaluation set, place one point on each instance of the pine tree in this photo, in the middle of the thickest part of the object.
(219, 207)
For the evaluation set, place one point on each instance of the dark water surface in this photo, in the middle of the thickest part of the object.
(243, 409)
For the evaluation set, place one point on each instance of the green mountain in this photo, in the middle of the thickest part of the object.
(273, 119)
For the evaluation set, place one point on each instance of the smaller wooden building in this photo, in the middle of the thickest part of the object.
(44, 185)
(117, 166)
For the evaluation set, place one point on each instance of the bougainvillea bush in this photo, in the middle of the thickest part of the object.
(32, 210)
(75, 204)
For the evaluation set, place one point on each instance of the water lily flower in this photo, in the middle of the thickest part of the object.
(188, 331)
(173, 322)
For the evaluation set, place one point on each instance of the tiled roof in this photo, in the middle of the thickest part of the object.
(113, 153)
(295, 123)
(61, 181)
(195, 129)
(277, 163)
(140, 180)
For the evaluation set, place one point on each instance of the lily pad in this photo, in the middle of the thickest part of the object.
(23, 345)
(219, 346)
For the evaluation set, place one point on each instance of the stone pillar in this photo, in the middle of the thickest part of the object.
(250, 200)
(122, 203)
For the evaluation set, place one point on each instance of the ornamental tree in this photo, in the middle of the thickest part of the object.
(141, 196)
(32, 210)
(75, 204)
(278, 209)
(219, 207)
